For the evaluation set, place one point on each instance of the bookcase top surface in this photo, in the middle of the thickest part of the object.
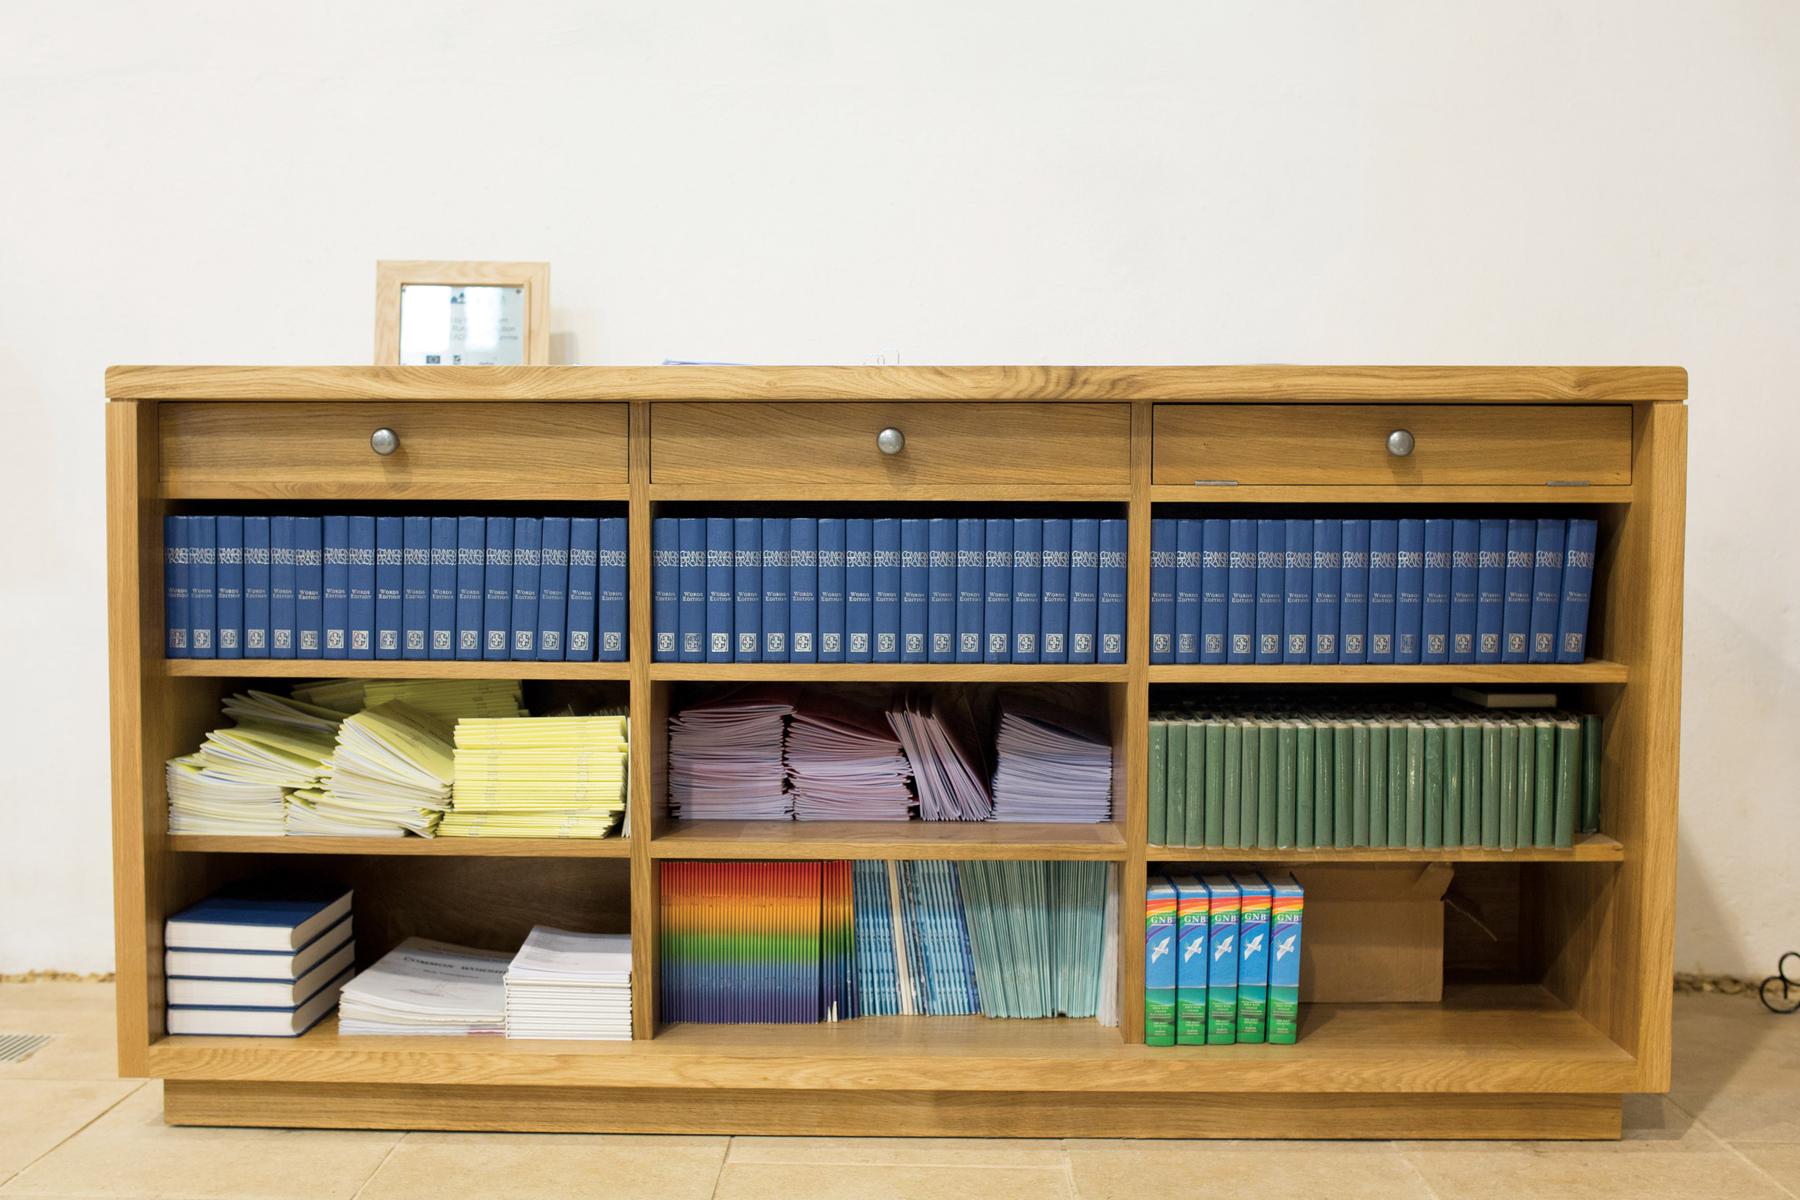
(1216, 384)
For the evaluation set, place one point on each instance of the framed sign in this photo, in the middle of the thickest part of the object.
(468, 314)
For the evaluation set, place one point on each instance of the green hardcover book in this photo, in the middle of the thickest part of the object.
(1268, 784)
(1305, 739)
(1434, 786)
(1249, 784)
(1324, 756)
(1343, 784)
(1452, 784)
(1234, 783)
(1216, 763)
(1590, 774)
(1568, 780)
(1378, 753)
(1287, 739)
(1471, 784)
(1509, 786)
(1527, 776)
(1490, 784)
(1359, 784)
(1171, 820)
(1194, 794)
(1396, 783)
(1544, 785)
(1415, 786)
(1157, 803)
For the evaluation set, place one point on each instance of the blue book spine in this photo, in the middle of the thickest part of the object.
(915, 583)
(665, 589)
(693, 589)
(1327, 577)
(831, 589)
(203, 576)
(996, 611)
(528, 569)
(1384, 550)
(971, 594)
(309, 587)
(229, 586)
(1465, 571)
(1353, 593)
(1084, 589)
(1271, 579)
(859, 590)
(776, 572)
(284, 638)
(1187, 590)
(553, 589)
(581, 624)
(390, 577)
(746, 588)
(1296, 591)
(1434, 614)
(256, 587)
(719, 641)
(335, 581)
(441, 613)
(1028, 588)
(1490, 590)
(803, 589)
(885, 615)
(1215, 575)
(613, 577)
(496, 601)
(1115, 561)
(1165, 544)
(175, 587)
(362, 587)
(471, 569)
(1409, 589)
(1240, 595)
(1515, 620)
(940, 590)
(415, 587)
(1546, 587)
(1053, 616)
(1577, 589)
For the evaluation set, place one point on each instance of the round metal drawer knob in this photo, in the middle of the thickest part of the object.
(1400, 443)
(890, 441)
(384, 441)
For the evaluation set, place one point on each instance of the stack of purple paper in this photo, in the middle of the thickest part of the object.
(946, 771)
(1050, 767)
(846, 766)
(725, 758)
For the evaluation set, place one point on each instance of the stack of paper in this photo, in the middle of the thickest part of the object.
(1107, 1009)
(445, 698)
(1036, 930)
(239, 780)
(391, 772)
(846, 765)
(725, 758)
(425, 988)
(879, 953)
(570, 985)
(939, 969)
(1048, 767)
(939, 744)
(544, 777)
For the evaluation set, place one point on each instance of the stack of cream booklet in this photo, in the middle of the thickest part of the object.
(541, 777)
(570, 985)
(389, 773)
(239, 781)
(426, 988)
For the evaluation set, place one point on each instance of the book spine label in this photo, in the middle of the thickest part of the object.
(1215, 564)
(309, 585)
(390, 579)
(1028, 583)
(1327, 576)
(1465, 575)
(885, 613)
(1053, 615)
(1490, 590)
(1353, 593)
(1187, 590)
(996, 616)
(1577, 589)
(746, 587)
(777, 569)
(1084, 589)
(1114, 559)
(940, 590)
(665, 588)
(859, 590)
(1384, 560)
(283, 638)
(1241, 592)
(613, 576)
(528, 568)
(1521, 540)
(442, 604)
(1546, 587)
(1434, 615)
(415, 587)
(831, 589)
(175, 587)
(335, 581)
(1164, 549)
(553, 588)
(229, 585)
(496, 604)
(1271, 577)
(803, 589)
(692, 587)
(1297, 591)
(362, 587)
(1409, 590)
(719, 641)
(256, 587)
(915, 595)
(583, 607)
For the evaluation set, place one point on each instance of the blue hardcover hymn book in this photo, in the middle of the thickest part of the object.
(1053, 632)
(940, 590)
(1353, 592)
(1084, 589)
(1165, 536)
(915, 584)
(803, 589)
(553, 589)
(441, 607)
(693, 589)
(996, 617)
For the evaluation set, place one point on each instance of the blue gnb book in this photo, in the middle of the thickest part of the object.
(1409, 589)
(1084, 588)
(1187, 591)
(1215, 574)
(746, 588)
(1271, 578)
(256, 587)
(1546, 587)
(612, 576)
(1240, 600)
(859, 590)
(471, 573)
(885, 567)
(175, 587)
(1296, 591)
(803, 589)
(582, 621)
(1353, 593)
(776, 570)
(1053, 616)
(415, 587)
(1465, 571)
(1114, 568)
(1327, 576)
(441, 611)
(996, 611)
(229, 584)
(362, 587)
(390, 573)
(309, 585)
(1434, 615)
(1490, 590)
(971, 595)
(335, 585)
(496, 602)
(553, 590)
(1028, 583)
(528, 542)
(940, 590)
(1515, 619)
(831, 589)
(1165, 543)
(1384, 548)
(665, 589)
(284, 641)
(1577, 589)
(915, 582)
(693, 589)
(718, 589)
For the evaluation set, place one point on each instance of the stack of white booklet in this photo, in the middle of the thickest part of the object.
(426, 988)
(239, 780)
(1050, 767)
(939, 743)
(390, 772)
(570, 985)
(547, 777)
(846, 765)
(725, 758)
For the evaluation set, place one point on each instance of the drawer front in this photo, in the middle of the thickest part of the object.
(756, 444)
(1349, 444)
(449, 450)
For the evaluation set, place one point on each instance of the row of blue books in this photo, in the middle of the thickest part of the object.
(1359, 590)
(514, 588)
(888, 589)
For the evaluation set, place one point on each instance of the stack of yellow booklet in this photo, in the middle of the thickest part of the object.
(449, 699)
(239, 780)
(539, 777)
(389, 773)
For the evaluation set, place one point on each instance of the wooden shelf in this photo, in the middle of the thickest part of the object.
(887, 839)
(899, 493)
(1592, 671)
(1588, 847)
(1397, 493)
(363, 668)
(406, 847)
(893, 672)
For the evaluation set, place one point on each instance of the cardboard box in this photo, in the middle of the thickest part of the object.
(1373, 932)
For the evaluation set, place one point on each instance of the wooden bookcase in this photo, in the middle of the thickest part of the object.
(1538, 1038)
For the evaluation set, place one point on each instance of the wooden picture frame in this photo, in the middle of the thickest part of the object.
(391, 276)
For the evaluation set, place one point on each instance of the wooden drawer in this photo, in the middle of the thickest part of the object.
(450, 451)
(1046, 446)
(1348, 443)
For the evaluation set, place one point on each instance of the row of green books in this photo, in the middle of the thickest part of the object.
(1419, 776)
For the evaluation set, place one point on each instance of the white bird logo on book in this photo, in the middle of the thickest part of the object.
(1253, 945)
(1157, 951)
(1194, 947)
(1223, 948)
(1284, 947)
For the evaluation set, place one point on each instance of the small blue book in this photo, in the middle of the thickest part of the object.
(1115, 565)
(1296, 591)
(746, 588)
(1327, 577)
(803, 589)
(553, 589)
(885, 574)
(831, 589)
(582, 624)
(284, 638)
(719, 598)
(1215, 575)
(776, 571)
(1515, 620)
(915, 584)
(1434, 614)
(940, 590)
(362, 587)
(1546, 587)
(693, 589)
(1384, 562)
(415, 587)
(496, 593)
(309, 587)
(441, 605)
(256, 587)
(996, 613)
(665, 589)
(1053, 615)
(1490, 590)
(612, 578)
(175, 587)
(859, 590)
(1579, 558)
(1028, 582)
(335, 585)
(971, 594)
(528, 566)
(1353, 592)
(1084, 589)
(1187, 590)
(229, 586)
(1165, 544)
(390, 575)
(1240, 600)
(1465, 574)
(1271, 580)
(1409, 589)
(471, 577)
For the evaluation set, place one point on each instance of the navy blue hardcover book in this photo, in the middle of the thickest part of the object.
(471, 573)
(1490, 590)
(582, 623)
(776, 571)
(335, 585)
(1084, 588)
(203, 576)
(175, 587)
(1546, 587)
(415, 587)
(1409, 589)
(362, 587)
(1271, 579)
(1053, 614)
(1327, 577)
(665, 589)
(1515, 620)
(915, 584)
(859, 590)
(940, 590)
(1165, 544)
(1240, 595)
(528, 567)
(229, 586)
(831, 589)
(693, 589)
(1215, 576)
(996, 611)
(496, 593)
(885, 589)
(1115, 560)
(1296, 591)
(553, 589)
(1465, 559)
(746, 588)
(1353, 592)
(612, 577)
(390, 575)
(256, 587)
(971, 594)
(1579, 556)
(1187, 590)
(1384, 548)
(719, 642)
(284, 640)
(1028, 588)
(1434, 614)
(309, 587)
(441, 609)
(803, 589)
